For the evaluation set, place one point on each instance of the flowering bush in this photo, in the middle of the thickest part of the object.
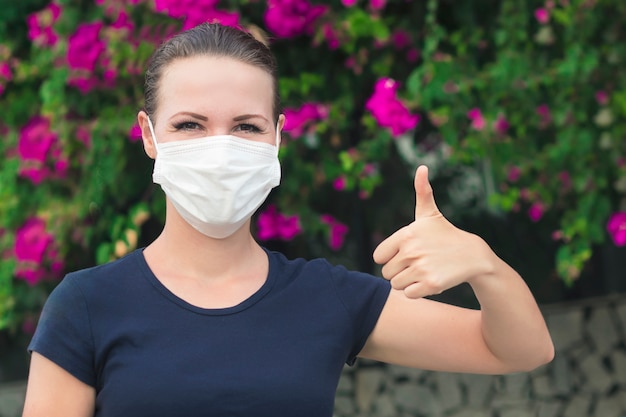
(517, 109)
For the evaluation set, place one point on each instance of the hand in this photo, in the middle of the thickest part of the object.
(431, 255)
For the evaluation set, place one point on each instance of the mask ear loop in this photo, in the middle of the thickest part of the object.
(156, 147)
(278, 139)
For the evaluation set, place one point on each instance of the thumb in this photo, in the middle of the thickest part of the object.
(425, 205)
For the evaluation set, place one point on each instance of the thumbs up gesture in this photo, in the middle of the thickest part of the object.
(431, 255)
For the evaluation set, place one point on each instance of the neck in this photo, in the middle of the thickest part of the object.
(183, 249)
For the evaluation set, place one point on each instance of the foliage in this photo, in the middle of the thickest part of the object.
(526, 97)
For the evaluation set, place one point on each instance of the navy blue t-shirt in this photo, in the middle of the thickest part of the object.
(149, 353)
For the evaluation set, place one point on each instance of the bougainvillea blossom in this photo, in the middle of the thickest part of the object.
(291, 18)
(501, 125)
(194, 12)
(377, 5)
(85, 50)
(542, 15)
(302, 120)
(272, 224)
(5, 75)
(545, 116)
(340, 183)
(40, 24)
(514, 173)
(602, 97)
(134, 134)
(35, 143)
(477, 119)
(337, 231)
(616, 227)
(535, 212)
(34, 246)
(388, 111)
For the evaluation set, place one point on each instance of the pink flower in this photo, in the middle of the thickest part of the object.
(85, 47)
(501, 125)
(35, 142)
(331, 36)
(337, 232)
(514, 174)
(535, 212)
(134, 134)
(602, 97)
(5, 72)
(388, 111)
(274, 225)
(566, 180)
(340, 183)
(291, 18)
(31, 245)
(377, 5)
(476, 116)
(85, 50)
(616, 227)
(40, 25)
(301, 120)
(545, 117)
(542, 15)
(412, 55)
(348, 3)
(400, 39)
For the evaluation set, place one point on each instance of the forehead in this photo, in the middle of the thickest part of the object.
(213, 86)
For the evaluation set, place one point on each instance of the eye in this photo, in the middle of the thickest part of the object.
(247, 127)
(186, 126)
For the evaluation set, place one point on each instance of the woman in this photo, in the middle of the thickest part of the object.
(205, 322)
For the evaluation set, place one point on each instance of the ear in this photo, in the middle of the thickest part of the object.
(146, 134)
(281, 124)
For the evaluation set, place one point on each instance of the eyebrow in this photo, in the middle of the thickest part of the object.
(236, 119)
(194, 115)
(248, 116)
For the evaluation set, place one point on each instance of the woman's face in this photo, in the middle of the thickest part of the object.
(207, 96)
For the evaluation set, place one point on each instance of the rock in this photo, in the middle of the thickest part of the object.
(12, 399)
(565, 328)
(549, 409)
(449, 390)
(417, 399)
(542, 386)
(367, 383)
(344, 406)
(516, 412)
(602, 330)
(609, 406)
(384, 406)
(618, 361)
(597, 377)
(478, 388)
(562, 374)
(578, 406)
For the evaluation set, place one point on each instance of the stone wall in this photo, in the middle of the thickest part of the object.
(586, 379)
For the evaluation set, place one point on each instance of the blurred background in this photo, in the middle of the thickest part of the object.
(517, 107)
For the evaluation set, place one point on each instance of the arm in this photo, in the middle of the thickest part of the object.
(427, 257)
(52, 392)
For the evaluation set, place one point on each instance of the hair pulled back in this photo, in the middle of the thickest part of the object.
(211, 39)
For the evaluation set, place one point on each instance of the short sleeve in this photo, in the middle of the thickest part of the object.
(64, 334)
(364, 297)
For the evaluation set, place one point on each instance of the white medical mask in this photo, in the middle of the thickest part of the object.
(216, 183)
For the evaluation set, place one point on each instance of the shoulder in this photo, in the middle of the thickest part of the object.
(110, 271)
(319, 272)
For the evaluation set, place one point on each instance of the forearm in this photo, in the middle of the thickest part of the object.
(512, 324)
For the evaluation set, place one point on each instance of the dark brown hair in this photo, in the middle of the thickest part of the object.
(212, 39)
